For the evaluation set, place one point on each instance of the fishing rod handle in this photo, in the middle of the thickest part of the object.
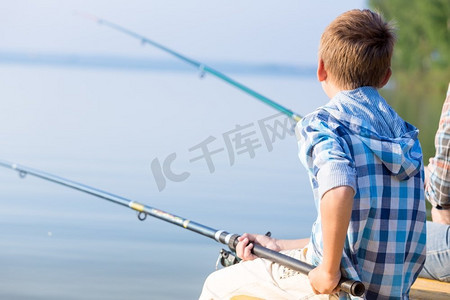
(352, 287)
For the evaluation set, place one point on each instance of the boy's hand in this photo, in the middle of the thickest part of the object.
(246, 241)
(324, 282)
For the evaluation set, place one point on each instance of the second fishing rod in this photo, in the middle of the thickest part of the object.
(202, 68)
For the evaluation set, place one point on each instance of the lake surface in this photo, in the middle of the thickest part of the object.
(111, 129)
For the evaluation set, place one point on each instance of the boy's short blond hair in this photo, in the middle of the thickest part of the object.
(356, 49)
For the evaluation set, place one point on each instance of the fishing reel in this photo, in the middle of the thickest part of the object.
(227, 258)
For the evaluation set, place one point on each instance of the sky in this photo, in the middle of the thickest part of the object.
(243, 31)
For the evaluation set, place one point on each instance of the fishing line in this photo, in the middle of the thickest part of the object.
(203, 68)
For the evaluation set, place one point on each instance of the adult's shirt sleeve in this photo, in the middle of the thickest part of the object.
(326, 155)
(438, 185)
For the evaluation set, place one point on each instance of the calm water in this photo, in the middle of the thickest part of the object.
(104, 129)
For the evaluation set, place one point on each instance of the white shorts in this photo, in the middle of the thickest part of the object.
(261, 278)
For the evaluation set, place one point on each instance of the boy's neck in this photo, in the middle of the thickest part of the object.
(330, 88)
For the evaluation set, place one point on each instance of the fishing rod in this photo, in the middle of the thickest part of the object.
(355, 288)
(203, 68)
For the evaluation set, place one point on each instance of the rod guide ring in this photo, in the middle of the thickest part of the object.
(141, 215)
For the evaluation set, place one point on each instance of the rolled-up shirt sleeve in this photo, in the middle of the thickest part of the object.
(325, 155)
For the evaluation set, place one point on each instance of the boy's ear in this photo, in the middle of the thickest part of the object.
(321, 72)
(386, 77)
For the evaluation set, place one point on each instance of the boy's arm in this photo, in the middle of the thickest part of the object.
(335, 212)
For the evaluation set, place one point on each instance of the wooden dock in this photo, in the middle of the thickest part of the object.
(427, 289)
(422, 289)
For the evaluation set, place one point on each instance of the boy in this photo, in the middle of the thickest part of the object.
(366, 171)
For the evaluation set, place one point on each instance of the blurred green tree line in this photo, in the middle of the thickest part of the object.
(421, 62)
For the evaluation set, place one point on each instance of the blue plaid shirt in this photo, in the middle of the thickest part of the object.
(358, 140)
